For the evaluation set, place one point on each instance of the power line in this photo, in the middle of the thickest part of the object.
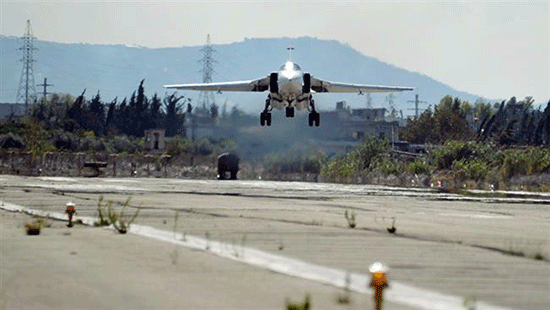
(27, 89)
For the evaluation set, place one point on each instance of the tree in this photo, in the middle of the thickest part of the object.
(111, 127)
(155, 114)
(448, 122)
(75, 112)
(174, 117)
(140, 111)
(96, 116)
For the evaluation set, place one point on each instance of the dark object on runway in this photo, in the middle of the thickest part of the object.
(228, 162)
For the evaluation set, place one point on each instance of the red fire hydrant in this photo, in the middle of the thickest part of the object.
(379, 282)
(70, 212)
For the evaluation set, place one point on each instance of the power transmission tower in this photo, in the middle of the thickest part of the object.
(45, 85)
(27, 89)
(206, 99)
(416, 103)
(389, 100)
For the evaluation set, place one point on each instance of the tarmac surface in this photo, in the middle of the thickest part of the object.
(484, 247)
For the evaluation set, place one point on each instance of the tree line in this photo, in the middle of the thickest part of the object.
(130, 117)
(510, 122)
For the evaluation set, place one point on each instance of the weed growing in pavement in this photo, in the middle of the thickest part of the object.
(176, 216)
(243, 243)
(118, 220)
(392, 229)
(207, 236)
(345, 298)
(174, 256)
(34, 228)
(107, 215)
(350, 217)
(101, 210)
(184, 235)
(469, 303)
(306, 305)
(281, 245)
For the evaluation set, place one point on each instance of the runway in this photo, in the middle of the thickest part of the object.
(493, 249)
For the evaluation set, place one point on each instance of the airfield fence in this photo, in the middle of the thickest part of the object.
(118, 165)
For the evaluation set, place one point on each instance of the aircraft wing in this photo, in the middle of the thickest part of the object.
(321, 86)
(257, 85)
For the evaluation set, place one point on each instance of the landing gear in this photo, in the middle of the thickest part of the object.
(314, 117)
(265, 116)
(289, 111)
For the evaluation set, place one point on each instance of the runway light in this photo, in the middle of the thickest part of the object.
(70, 212)
(379, 282)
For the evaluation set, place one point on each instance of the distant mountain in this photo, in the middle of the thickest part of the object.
(116, 70)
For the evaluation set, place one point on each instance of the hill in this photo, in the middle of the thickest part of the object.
(116, 70)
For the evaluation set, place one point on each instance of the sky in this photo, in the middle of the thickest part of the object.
(495, 49)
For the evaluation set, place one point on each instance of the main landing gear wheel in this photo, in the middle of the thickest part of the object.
(289, 111)
(265, 116)
(265, 119)
(314, 119)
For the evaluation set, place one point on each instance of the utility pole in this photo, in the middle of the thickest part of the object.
(27, 90)
(45, 84)
(416, 102)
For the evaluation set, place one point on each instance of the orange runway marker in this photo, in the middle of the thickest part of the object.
(70, 212)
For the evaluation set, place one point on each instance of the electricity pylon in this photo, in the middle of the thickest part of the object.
(206, 98)
(27, 89)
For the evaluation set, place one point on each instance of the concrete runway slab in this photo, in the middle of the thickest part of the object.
(473, 248)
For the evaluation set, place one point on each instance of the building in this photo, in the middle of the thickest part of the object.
(344, 124)
(155, 139)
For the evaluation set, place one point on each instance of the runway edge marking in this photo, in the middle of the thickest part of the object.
(397, 292)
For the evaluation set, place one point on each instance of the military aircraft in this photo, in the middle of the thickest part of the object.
(289, 88)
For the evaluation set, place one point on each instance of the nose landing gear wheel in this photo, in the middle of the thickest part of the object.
(289, 111)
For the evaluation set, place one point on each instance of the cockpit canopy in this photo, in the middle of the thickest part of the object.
(290, 66)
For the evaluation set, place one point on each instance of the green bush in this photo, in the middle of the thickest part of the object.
(474, 170)
(390, 166)
(9, 140)
(516, 162)
(123, 144)
(418, 166)
(66, 141)
(339, 167)
(369, 155)
(299, 159)
(176, 145)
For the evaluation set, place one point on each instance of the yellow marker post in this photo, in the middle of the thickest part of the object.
(70, 212)
(379, 282)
